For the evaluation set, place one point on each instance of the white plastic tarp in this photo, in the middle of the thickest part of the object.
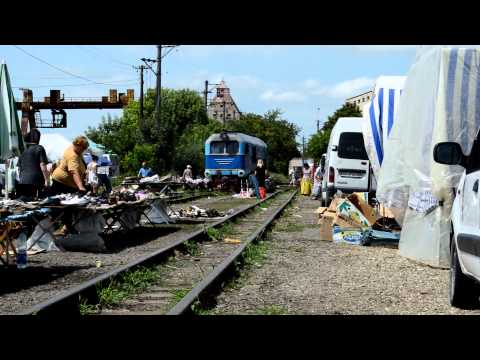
(11, 140)
(440, 102)
(379, 115)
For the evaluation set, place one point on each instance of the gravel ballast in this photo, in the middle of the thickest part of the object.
(303, 275)
(48, 274)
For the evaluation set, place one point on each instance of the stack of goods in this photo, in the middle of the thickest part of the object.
(196, 212)
(353, 220)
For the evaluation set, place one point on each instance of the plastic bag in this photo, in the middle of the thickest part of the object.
(42, 238)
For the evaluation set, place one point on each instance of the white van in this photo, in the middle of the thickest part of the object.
(347, 167)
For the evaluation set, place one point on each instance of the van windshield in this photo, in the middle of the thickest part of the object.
(351, 146)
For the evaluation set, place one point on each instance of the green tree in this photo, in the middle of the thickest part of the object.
(276, 132)
(318, 143)
(190, 148)
(124, 135)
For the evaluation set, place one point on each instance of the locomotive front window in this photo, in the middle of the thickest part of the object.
(217, 147)
(232, 147)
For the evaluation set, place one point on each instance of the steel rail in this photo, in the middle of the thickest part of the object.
(217, 275)
(68, 300)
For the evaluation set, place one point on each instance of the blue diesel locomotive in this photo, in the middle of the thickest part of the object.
(233, 155)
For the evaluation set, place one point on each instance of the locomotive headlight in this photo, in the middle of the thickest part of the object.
(207, 173)
(241, 173)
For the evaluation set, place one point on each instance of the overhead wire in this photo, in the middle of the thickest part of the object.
(65, 85)
(58, 68)
(112, 59)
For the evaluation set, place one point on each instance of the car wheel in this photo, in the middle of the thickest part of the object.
(463, 291)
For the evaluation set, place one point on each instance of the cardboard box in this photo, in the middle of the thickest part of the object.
(360, 201)
(335, 202)
(354, 236)
(326, 223)
(321, 210)
(345, 223)
(347, 211)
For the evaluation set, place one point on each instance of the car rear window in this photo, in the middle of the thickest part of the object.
(351, 146)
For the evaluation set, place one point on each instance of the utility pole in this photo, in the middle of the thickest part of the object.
(158, 101)
(141, 97)
(318, 120)
(205, 96)
(303, 149)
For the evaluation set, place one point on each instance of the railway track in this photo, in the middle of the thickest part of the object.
(197, 277)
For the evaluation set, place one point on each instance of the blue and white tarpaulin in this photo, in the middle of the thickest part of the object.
(379, 115)
(440, 102)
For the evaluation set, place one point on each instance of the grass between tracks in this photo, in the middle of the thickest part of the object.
(132, 282)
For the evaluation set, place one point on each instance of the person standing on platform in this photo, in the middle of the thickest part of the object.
(103, 175)
(92, 177)
(306, 183)
(69, 175)
(260, 175)
(34, 176)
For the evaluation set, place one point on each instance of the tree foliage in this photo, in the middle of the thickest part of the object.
(179, 138)
(153, 142)
(318, 143)
(277, 133)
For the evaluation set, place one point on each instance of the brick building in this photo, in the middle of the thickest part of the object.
(223, 107)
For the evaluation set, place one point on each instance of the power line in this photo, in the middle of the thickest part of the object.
(171, 49)
(57, 68)
(106, 55)
(64, 85)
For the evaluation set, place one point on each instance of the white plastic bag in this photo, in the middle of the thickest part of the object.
(42, 238)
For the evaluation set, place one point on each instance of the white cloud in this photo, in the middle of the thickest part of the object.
(311, 84)
(346, 88)
(385, 48)
(285, 96)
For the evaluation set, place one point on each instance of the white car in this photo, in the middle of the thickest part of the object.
(465, 232)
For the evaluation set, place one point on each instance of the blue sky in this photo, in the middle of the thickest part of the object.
(295, 79)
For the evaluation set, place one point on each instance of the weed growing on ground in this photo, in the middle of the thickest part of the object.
(255, 253)
(192, 248)
(179, 294)
(272, 310)
(87, 309)
(131, 282)
(217, 234)
(214, 234)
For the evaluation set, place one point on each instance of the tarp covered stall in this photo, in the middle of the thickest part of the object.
(440, 102)
(379, 115)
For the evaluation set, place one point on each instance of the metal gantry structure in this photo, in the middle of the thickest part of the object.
(57, 104)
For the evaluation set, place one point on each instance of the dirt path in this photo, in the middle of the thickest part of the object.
(303, 275)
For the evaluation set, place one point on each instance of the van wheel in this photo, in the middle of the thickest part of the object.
(463, 291)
